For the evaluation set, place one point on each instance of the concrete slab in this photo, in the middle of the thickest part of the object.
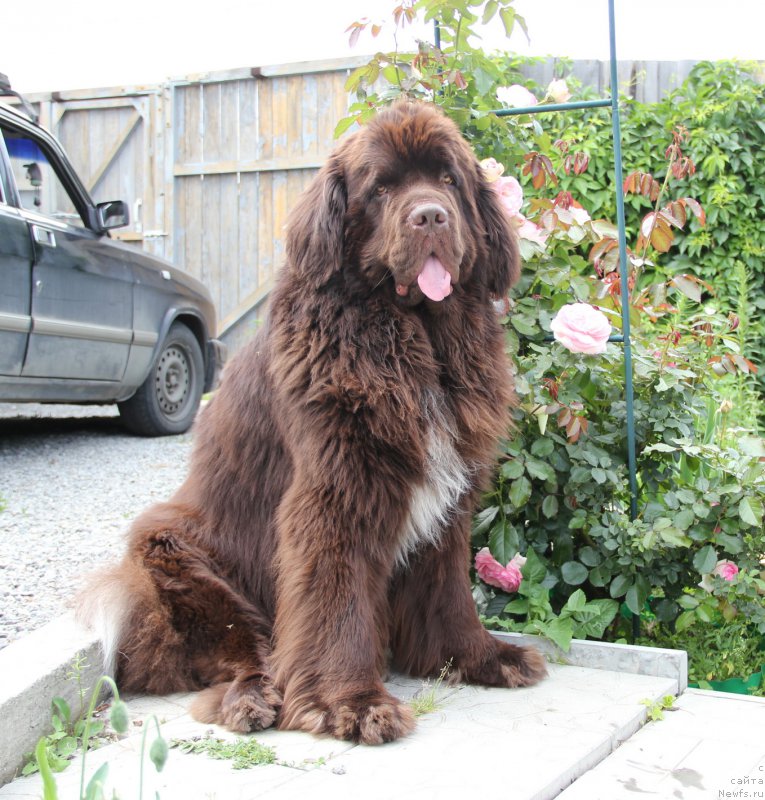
(33, 671)
(712, 745)
(36, 668)
(522, 743)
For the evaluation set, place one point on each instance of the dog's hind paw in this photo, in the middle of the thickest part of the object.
(505, 665)
(243, 705)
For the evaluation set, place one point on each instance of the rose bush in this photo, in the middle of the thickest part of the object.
(561, 493)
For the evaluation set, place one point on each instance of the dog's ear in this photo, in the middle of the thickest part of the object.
(501, 265)
(315, 227)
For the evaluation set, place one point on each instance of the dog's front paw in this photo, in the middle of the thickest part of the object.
(381, 719)
(368, 718)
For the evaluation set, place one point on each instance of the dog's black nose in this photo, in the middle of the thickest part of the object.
(428, 216)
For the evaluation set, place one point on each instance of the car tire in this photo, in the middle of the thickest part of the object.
(168, 400)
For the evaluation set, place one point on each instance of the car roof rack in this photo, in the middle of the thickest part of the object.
(5, 90)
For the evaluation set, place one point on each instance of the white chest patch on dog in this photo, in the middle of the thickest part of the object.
(446, 480)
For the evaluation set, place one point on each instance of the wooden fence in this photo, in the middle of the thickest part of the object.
(211, 164)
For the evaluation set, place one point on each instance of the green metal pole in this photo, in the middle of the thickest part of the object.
(624, 276)
(623, 266)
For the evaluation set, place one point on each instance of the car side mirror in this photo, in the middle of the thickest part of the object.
(112, 214)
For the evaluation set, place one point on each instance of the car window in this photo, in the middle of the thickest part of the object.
(38, 185)
(6, 182)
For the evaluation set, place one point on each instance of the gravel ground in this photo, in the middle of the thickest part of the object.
(71, 480)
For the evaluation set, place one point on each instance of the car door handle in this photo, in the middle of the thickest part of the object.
(44, 236)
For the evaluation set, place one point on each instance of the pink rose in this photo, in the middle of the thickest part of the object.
(516, 96)
(507, 578)
(581, 328)
(492, 169)
(558, 91)
(727, 570)
(510, 194)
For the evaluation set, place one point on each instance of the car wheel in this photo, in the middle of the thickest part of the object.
(167, 401)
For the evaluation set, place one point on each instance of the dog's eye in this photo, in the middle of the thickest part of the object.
(381, 189)
(448, 179)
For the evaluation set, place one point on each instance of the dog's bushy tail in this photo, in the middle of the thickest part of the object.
(105, 605)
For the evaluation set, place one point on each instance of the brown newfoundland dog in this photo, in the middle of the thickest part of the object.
(323, 531)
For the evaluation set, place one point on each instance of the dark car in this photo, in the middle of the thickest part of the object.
(84, 318)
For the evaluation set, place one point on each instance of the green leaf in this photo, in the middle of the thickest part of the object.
(704, 561)
(687, 601)
(600, 575)
(675, 537)
(483, 519)
(508, 19)
(66, 747)
(599, 615)
(518, 606)
(503, 541)
(560, 631)
(489, 11)
(589, 556)
(576, 601)
(685, 519)
(512, 469)
(550, 506)
(573, 573)
(343, 126)
(540, 469)
(732, 544)
(635, 598)
(685, 620)
(619, 585)
(750, 511)
(520, 492)
(533, 570)
(61, 708)
(524, 325)
(542, 447)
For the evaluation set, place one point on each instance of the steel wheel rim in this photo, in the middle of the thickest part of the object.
(173, 380)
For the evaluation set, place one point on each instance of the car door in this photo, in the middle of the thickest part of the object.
(81, 300)
(15, 275)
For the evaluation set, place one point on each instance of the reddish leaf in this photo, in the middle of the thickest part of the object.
(687, 285)
(744, 364)
(697, 210)
(675, 212)
(540, 168)
(573, 429)
(642, 183)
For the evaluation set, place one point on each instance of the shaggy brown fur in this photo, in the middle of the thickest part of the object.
(324, 526)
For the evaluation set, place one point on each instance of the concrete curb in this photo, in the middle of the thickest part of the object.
(630, 658)
(35, 669)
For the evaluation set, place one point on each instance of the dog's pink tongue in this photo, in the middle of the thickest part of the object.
(434, 280)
